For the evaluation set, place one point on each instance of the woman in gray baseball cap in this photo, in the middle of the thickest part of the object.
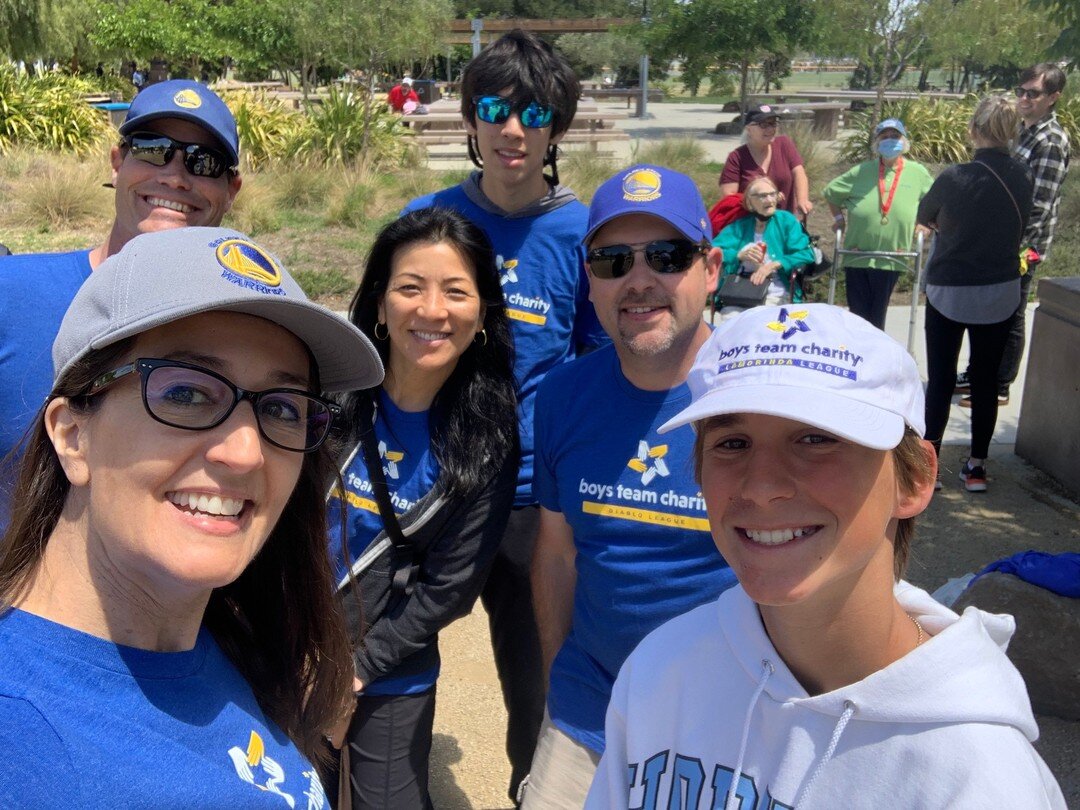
(167, 621)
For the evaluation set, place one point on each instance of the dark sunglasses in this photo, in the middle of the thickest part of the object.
(1030, 95)
(663, 256)
(496, 109)
(158, 150)
(191, 397)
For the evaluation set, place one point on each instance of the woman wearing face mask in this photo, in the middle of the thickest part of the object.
(766, 245)
(881, 197)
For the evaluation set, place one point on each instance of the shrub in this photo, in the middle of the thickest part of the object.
(937, 130)
(583, 170)
(255, 210)
(59, 194)
(48, 112)
(349, 124)
(268, 130)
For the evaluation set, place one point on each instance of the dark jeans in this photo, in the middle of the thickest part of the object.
(987, 342)
(507, 598)
(868, 292)
(1014, 344)
(389, 743)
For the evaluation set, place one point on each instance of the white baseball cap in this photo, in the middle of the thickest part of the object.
(811, 363)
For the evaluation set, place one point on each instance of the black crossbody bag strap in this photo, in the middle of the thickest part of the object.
(403, 553)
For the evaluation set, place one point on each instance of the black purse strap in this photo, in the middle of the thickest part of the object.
(403, 552)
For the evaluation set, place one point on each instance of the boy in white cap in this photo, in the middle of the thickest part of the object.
(822, 680)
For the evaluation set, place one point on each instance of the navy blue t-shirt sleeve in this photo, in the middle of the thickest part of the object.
(35, 770)
(545, 488)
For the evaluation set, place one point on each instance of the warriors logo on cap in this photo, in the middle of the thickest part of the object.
(641, 185)
(248, 260)
(188, 99)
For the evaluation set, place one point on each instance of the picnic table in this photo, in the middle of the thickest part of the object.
(781, 96)
(629, 93)
(826, 115)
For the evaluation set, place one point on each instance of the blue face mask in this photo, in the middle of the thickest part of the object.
(890, 147)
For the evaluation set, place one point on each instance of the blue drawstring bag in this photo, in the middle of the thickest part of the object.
(1059, 573)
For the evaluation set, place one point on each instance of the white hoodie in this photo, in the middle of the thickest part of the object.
(706, 699)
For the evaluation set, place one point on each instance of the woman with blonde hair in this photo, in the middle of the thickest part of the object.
(979, 211)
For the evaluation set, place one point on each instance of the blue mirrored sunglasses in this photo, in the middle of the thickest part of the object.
(496, 109)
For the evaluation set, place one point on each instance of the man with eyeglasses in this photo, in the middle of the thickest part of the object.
(624, 541)
(175, 165)
(518, 97)
(1044, 145)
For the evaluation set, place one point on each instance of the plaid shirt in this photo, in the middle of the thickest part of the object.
(1044, 146)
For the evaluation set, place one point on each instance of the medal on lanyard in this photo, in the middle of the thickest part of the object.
(885, 203)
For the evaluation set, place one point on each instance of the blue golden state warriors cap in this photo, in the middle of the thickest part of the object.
(654, 190)
(161, 277)
(190, 101)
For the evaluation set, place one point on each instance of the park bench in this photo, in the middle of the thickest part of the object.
(629, 93)
(825, 115)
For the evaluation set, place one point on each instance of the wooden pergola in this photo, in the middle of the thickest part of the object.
(460, 31)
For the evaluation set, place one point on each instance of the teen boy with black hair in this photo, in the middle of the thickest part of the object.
(518, 97)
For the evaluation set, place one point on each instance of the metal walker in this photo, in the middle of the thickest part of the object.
(917, 254)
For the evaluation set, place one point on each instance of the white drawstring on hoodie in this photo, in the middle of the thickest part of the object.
(767, 669)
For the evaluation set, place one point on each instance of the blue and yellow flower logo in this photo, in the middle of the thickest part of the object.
(790, 323)
(641, 185)
(248, 260)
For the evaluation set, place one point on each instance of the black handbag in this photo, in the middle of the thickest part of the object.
(739, 291)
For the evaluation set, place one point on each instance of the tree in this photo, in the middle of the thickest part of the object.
(883, 35)
(992, 37)
(588, 53)
(707, 35)
(20, 27)
(1066, 15)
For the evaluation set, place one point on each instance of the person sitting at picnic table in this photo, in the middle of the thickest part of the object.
(767, 153)
(881, 197)
(401, 94)
(766, 245)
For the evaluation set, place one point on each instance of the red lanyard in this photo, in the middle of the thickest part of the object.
(886, 202)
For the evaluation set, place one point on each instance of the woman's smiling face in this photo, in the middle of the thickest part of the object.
(172, 512)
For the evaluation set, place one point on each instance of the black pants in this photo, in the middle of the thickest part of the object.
(389, 743)
(868, 292)
(1014, 344)
(987, 342)
(507, 598)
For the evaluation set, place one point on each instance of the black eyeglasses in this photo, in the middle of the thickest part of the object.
(1030, 95)
(496, 109)
(662, 255)
(190, 397)
(158, 150)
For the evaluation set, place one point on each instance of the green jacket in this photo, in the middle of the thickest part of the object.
(785, 241)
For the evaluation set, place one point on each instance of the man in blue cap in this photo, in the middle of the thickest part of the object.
(176, 165)
(624, 542)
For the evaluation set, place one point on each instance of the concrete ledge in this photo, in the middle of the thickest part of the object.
(1048, 434)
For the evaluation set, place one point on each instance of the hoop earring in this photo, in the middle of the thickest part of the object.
(482, 334)
(376, 330)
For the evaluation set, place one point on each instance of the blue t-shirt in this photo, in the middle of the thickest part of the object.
(91, 724)
(644, 550)
(411, 469)
(35, 292)
(542, 269)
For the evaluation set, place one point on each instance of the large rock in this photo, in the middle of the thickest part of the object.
(1046, 646)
